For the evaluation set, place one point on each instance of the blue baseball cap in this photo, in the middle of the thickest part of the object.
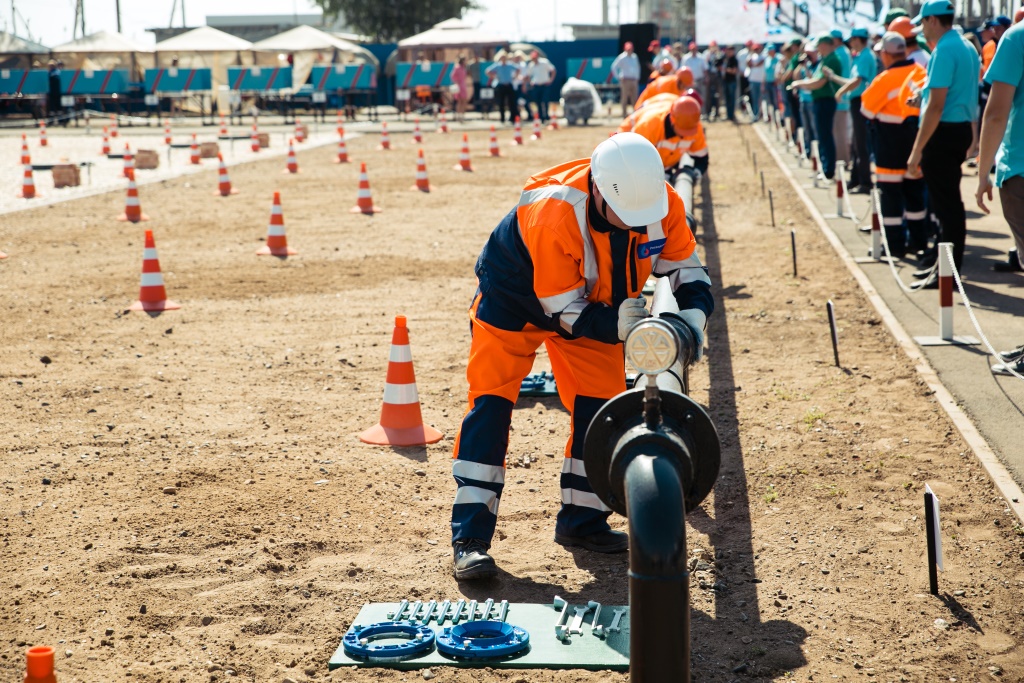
(1002, 20)
(837, 34)
(934, 8)
(859, 33)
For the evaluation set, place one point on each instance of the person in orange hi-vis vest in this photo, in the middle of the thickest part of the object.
(893, 123)
(565, 269)
(676, 84)
(673, 126)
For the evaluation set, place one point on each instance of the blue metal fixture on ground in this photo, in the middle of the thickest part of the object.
(359, 641)
(483, 640)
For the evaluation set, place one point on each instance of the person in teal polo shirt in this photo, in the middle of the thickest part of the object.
(949, 105)
(1003, 127)
(841, 121)
(865, 68)
(823, 93)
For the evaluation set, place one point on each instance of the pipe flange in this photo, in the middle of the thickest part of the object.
(483, 640)
(358, 642)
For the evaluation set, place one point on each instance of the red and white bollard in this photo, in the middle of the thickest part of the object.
(417, 136)
(517, 137)
(946, 336)
(840, 187)
(442, 123)
(42, 134)
(167, 132)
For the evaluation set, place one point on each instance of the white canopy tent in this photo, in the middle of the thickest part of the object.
(205, 47)
(104, 50)
(446, 40)
(19, 53)
(309, 47)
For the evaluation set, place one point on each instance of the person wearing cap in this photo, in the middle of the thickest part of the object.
(698, 66)
(565, 269)
(949, 106)
(998, 26)
(893, 131)
(713, 85)
(806, 64)
(626, 69)
(675, 84)
(841, 121)
(1002, 144)
(730, 81)
(905, 27)
(864, 70)
(539, 75)
(823, 93)
(789, 61)
(672, 125)
(772, 71)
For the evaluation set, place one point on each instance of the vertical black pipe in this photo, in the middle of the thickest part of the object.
(929, 530)
(659, 588)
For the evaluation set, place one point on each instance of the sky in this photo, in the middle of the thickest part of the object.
(50, 21)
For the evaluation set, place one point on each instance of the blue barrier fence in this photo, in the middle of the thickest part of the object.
(178, 80)
(259, 78)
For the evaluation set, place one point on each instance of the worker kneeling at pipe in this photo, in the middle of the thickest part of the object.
(672, 124)
(565, 269)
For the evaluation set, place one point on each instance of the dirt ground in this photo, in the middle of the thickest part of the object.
(250, 398)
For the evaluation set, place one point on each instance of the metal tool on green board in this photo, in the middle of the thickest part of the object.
(614, 628)
(503, 611)
(443, 612)
(430, 610)
(486, 614)
(596, 628)
(413, 610)
(458, 611)
(577, 621)
(471, 615)
(560, 624)
(397, 614)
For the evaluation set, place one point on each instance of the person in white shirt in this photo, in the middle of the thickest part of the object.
(696, 63)
(540, 73)
(626, 69)
(742, 55)
(755, 75)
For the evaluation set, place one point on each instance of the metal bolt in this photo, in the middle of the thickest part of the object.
(609, 420)
(443, 612)
(487, 609)
(503, 611)
(430, 610)
(458, 611)
(615, 621)
(397, 614)
(471, 615)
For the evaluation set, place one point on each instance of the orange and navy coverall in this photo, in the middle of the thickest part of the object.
(659, 86)
(554, 272)
(654, 123)
(893, 130)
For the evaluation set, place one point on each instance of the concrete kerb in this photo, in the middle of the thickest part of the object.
(1005, 483)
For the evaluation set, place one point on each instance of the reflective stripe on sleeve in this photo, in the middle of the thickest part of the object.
(578, 200)
(559, 302)
(571, 313)
(574, 466)
(468, 495)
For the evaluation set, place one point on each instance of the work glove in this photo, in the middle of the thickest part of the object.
(694, 321)
(631, 311)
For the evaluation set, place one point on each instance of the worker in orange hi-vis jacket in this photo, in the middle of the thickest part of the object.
(565, 268)
(675, 84)
(893, 123)
(672, 125)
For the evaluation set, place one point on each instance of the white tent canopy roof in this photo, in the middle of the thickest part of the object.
(101, 41)
(303, 38)
(11, 45)
(452, 33)
(203, 39)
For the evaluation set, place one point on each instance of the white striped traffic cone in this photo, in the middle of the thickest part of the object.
(293, 163)
(254, 139)
(42, 134)
(536, 128)
(495, 152)
(385, 140)
(342, 149)
(364, 200)
(132, 207)
(422, 183)
(28, 184)
(417, 136)
(277, 241)
(401, 420)
(300, 135)
(105, 150)
(25, 158)
(168, 139)
(193, 157)
(152, 294)
(129, 162)
(113, 126)
(464, 162)
(224, 187)
(443, 123)
(517, 136)
(223, 127)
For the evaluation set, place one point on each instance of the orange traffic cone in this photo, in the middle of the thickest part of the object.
(293, 163)
(223, 127)
(364, 200)
(417, 136)
(39, 665)
(536, 128)
(254, 139)
(129, 161)
(385, 141)
(422, 183)
(342, 149)
(113, 126)
(464, 163)
(152, 295)
(194, 152)
(25, 158)
(553, 118)
(167, 132)
(517, 137)
(300, 135)
(401, 422)
(132, 208)
(28, 184)
(42, 134)
(495, 152)
(224, 188)
(277, 241)
(105, 150)
(442, 123)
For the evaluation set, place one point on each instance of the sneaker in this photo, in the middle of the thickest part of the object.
(1013, 354)
(472, 561)
(1004, 368)
(1010, 265)
(607, 541)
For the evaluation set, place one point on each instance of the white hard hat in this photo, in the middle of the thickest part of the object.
(628, 171)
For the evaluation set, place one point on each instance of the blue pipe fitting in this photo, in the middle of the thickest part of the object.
(358, 642)
(483, 640)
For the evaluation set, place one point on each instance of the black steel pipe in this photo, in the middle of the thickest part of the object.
(659, 583)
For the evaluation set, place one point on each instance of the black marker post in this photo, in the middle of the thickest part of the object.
(931, 524)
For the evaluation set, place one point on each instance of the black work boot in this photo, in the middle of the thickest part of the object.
(1010, 265)
(607, 541)
(472, 561)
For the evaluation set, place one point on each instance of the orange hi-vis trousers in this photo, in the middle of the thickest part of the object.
(587, 374)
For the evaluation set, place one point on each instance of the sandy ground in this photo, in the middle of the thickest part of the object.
(248, 402)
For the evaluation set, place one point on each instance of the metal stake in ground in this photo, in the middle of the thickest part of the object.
(832, 326)
(931, 527)
(792, 241)
(762, 183)
(771, 206)
(754, 160)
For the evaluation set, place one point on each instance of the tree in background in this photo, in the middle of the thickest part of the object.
(391, 20)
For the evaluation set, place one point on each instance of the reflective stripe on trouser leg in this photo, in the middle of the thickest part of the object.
(587, 374)
(916, 211)
(891, 199)
(582, 511)
(498, 361)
